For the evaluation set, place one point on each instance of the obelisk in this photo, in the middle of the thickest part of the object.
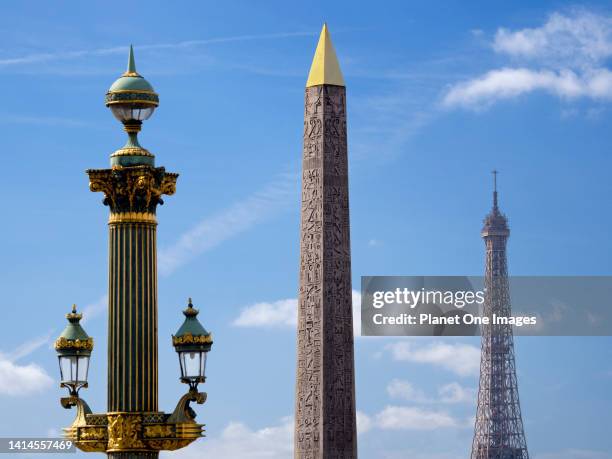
(325, 422)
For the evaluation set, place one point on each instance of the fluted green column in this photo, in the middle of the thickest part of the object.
(132, 193)
(132, 350)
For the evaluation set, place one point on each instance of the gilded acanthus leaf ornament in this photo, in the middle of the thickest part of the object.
(124, 432)
(62, 343)
(188, 338)
(136, 189)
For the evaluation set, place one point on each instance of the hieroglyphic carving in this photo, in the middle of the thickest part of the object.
(325, 395)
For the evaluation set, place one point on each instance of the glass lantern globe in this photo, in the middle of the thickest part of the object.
(73, 369)
(126, 112)
(193, 365)
(74, 348)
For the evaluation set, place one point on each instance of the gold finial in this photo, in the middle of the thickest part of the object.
(74, 316)
(131, 68)
(325, 68)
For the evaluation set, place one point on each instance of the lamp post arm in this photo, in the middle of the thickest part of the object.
(183, 412)
(82, 408)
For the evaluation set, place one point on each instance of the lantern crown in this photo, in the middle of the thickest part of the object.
(191, 334)
(74, 338)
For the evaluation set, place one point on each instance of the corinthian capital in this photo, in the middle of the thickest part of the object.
(135, 190)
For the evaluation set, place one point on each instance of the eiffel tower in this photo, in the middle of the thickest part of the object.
(498, 432)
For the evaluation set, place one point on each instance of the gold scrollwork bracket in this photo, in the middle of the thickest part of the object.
(183, 412)
(81, 406)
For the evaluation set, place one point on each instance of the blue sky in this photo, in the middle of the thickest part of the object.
(438, 96)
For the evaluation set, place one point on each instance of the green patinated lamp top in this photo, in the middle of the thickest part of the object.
(132, 99)
(131, 80)
(74, 339)
(192, 335)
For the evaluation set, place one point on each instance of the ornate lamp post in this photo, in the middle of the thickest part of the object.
(133, 427)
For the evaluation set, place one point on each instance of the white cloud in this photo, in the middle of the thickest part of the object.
(507, 83)
(410, 418)
(15, 379)
(276, 442)
(462, 359)
(283, 314)
(565, 57)
(364, 423)
(22, 379)
(577, 38)
(448, 393)
(456, 393)
(212, 231)
(406, 391)
(238, 440)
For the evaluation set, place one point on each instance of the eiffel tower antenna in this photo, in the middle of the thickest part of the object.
(495, 172)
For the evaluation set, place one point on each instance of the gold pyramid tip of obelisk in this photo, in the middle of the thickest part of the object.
(325, 68)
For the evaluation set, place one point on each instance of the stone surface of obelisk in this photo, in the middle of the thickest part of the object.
(325, 418)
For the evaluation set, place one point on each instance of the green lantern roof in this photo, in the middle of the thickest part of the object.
(74, 339)
(192, 335)
(131, 87)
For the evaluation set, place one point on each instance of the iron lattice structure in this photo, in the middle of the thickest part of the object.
(499, 432)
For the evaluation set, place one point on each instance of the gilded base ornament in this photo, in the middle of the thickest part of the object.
(134, 431)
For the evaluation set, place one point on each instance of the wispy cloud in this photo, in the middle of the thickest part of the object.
(450, 393)
(214, 230)
(52, 121)
(30, 346)
(95, 309)
(564, 57)
(36, 58)
(211, 231)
